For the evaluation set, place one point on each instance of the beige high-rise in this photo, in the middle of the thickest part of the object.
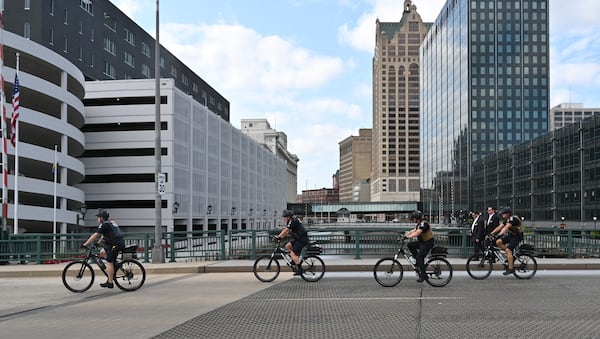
(355, 163)
(395, 146)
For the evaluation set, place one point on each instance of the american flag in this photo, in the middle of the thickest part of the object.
(15, 114)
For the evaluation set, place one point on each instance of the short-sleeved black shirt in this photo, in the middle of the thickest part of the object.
(111, 233)
(297, 229)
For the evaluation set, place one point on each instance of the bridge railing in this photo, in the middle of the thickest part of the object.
(354, 242)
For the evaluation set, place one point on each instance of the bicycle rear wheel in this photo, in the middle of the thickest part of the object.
(388, 272)
(525, 266)
(313, 268)
(266, 269)
(78, 276)
(438, 272)
(130, 275)
(479, 267)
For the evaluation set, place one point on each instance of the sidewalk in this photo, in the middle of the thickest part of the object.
(333, 264)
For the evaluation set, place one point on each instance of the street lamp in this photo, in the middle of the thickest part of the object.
(595, 219)
(233, 211)
(209, 209)
(82, 211)
(175, 207)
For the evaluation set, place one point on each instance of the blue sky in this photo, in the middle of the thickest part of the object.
(305, 65)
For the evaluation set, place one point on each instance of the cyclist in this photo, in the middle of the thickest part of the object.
(300, 238)
(113, 243)
(508, 234)
(424, 235)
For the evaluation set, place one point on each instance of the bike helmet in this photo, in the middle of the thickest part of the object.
(416, 215)
(287, 213)
(505, 209)
(103, 214)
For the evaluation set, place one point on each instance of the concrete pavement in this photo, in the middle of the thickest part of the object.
(332, 263)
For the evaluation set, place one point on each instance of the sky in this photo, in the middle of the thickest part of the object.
(306, 65)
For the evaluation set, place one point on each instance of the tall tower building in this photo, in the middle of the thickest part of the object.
(355, 162)
(395, 154)
(484, 88)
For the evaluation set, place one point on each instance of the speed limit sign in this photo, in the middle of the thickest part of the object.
(162, 183)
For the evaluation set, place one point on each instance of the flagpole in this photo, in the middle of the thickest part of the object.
(15, 140)
(3, 127)
(55, 171)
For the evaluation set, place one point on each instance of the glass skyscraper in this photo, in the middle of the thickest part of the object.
(484, 87)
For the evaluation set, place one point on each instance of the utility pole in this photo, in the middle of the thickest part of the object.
(157, 251)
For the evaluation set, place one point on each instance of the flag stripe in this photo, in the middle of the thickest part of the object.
(15, 115)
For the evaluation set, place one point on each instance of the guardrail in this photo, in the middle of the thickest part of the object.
(247, 244)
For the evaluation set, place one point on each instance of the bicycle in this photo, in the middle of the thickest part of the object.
(438, 271)
(267, 268)
(479, 266)
(78, 276)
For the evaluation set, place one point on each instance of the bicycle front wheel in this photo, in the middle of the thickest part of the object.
(130, 275)
(388, 272)
(78, 276)
(479, 267)
(266, 269)
(313, 268)
(525, 266)
(438, 272)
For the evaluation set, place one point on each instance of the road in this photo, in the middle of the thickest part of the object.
(554, 304)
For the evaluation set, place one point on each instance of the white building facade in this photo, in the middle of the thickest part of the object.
(217, 177)
(51, 114)
(260, 131)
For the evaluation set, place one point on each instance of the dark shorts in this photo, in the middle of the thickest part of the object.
(113, 252)
(298, 245)
(511, 241)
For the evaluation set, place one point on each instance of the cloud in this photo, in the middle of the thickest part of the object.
(361, 34)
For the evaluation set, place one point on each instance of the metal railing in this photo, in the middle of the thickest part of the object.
(248, 244)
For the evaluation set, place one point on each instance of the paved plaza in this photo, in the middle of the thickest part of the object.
(554, 304)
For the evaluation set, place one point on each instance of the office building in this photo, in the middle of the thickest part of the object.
(396, 108)
(569, 113)
(484, 88)
(105, 44)
(355, 165)
(260, 131)
(554, 177)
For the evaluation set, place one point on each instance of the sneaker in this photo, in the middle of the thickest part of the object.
(107, 285)
(421, 279)
(298, 271)
(509, 271)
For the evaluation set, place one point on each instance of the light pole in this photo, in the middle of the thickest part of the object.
(595, 219)
(82, 211)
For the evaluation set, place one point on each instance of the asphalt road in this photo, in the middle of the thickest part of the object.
(554, 304)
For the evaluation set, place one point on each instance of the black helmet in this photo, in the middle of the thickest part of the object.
(505, 209)
(416, 215)
(287, 213)
(103, 214)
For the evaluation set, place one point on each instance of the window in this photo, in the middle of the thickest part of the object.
(109, 45)
(146, 49)
(66, 49)
(109, 69)
(27, 5)
(129, 37)
(66, 16)
(129, 59)
(27, 30)
(51, 37)
(146, 70)
(110, 22)
(87, 6)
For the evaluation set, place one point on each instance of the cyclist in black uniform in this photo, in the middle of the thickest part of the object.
(509, 232)
(113, 243)
(300, 238)
(425, 242)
